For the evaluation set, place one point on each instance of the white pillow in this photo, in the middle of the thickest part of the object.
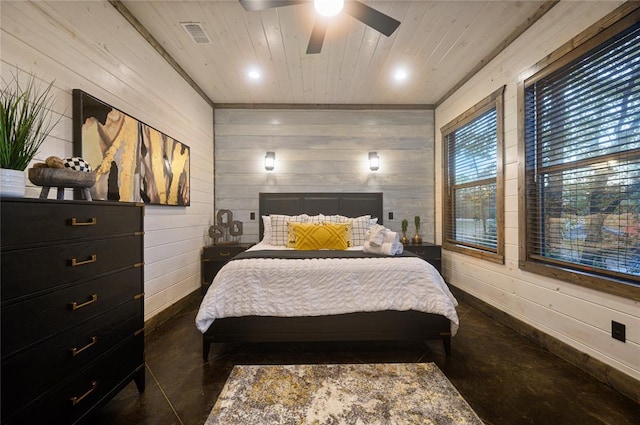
(280, 227)
(316, 218)
(266, 226)
(359, 227)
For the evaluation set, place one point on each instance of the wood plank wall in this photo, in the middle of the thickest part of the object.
(88, 45)
(326, 151)
(578, 316)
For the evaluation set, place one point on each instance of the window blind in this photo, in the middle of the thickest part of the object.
(582, 155)
(471, 152)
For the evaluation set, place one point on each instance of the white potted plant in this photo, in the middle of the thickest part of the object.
(25, 123)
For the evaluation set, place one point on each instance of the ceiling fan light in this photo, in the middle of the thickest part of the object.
(328, 7)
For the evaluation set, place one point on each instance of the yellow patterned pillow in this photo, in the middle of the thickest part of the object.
(312, 236)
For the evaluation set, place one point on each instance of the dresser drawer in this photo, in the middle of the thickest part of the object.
(29, 374)
(73, 398)
(60, 221)
(214, 257)
(29, 271)
(19, 329)
(425, 251)
(222, 252)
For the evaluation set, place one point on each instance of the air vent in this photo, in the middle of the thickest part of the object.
(197, 33)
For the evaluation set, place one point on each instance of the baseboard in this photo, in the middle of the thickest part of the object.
(604, 373)
(153, 323)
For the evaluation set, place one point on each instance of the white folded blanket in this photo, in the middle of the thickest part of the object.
(380, 240)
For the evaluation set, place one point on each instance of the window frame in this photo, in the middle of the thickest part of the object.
(494, 101)
(603, 30)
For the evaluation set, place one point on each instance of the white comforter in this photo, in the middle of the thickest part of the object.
(316, 287)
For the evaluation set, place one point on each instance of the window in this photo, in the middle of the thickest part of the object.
(582, 164)
(473, 187)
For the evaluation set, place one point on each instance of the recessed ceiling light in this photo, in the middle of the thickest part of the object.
(328, 7)
(400, 75)
(254, 74)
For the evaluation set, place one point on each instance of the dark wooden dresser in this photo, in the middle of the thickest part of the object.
(72, 307)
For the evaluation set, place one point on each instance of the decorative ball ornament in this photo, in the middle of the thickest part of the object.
(76, 163)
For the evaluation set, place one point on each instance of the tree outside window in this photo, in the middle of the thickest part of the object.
(582, 166)
(473, 186)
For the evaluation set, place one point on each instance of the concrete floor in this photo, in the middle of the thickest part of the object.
(505, 378)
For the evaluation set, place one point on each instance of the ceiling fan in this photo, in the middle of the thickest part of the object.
(380, 22)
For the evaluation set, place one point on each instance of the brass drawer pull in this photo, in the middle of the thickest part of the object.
(76, 351)
(76, 400)
(92, 221)
(74, 305)
(224, 254)
(75, 262)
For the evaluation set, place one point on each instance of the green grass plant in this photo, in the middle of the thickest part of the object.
(25, 120)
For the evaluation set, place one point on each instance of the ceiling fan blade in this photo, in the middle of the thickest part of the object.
(253, 5)
(317, 36)
(373, 18)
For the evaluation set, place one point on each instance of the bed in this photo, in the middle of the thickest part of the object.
(383, 298)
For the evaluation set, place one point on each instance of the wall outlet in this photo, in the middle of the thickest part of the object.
(253, 216)
(618, 331)
(390, 215)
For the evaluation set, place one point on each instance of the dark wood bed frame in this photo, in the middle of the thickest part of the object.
(367, 326)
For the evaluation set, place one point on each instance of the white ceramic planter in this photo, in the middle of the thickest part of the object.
(12, 183)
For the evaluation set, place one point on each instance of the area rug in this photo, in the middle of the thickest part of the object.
(367, 394)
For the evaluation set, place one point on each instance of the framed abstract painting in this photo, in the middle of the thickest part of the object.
(133, 162)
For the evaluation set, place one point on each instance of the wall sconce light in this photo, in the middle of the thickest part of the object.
(374, 161)
(269, 161)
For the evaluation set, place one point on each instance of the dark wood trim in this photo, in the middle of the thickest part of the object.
(522, 199)
(494, 100)
(622, 17)
(610, 285)
(621, 382)
(520, 29)
(476, 110)
(194, 298)
(470, 251)
(135, 23)
(326, 106)
(616, 21)
(585, 162)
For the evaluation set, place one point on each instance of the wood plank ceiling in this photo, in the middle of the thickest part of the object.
(438, 44)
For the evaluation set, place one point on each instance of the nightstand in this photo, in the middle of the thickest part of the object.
(214, 257)
(428, 252)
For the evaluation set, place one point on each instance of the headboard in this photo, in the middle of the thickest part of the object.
(347, 204)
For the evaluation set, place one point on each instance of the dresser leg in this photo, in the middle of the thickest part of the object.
(139, 379)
